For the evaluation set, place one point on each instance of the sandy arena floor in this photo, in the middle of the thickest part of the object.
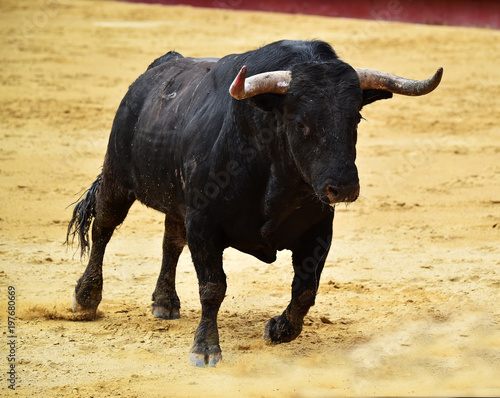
(409, 299)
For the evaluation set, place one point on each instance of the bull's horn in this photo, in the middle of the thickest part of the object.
(264, 83)
(375, 80)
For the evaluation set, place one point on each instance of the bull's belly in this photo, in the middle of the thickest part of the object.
(245, 229)
(160, 198)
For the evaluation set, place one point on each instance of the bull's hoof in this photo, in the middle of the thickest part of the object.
(204, 354)
(268, 331)
(166, 305)
(84, 313)
(205, 360)
(169, 312)
(278, 330)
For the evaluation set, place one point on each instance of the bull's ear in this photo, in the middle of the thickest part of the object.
(370, 96)
(267, 102)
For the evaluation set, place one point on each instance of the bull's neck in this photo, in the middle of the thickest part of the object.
(265, 146)
(262, 137)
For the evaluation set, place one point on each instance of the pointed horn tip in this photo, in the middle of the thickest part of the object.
(237, 89)
(439, 72)
(435, 80)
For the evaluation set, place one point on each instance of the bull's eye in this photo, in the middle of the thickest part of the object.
(303, 129)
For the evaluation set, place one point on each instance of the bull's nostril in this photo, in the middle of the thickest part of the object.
(333, 191)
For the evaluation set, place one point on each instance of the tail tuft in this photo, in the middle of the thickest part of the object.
(83, 214)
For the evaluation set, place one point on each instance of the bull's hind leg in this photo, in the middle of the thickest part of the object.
(166, 303)
(110, 209)
(309, 255)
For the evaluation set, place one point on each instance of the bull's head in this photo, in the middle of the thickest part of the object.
(322, 103)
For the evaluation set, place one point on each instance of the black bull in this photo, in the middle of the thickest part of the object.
(258, 169)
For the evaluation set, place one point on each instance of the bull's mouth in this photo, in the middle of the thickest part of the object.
(345, 193)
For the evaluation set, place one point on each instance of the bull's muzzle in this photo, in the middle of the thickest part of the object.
(341, 193)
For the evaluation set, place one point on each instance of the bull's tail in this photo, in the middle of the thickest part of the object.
(83, 214)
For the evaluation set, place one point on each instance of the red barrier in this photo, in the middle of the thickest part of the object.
(479, 13)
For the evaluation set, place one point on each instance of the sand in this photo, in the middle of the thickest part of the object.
(409, 298)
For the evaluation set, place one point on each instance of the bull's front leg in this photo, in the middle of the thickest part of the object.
(309, 255)
(207, 258)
